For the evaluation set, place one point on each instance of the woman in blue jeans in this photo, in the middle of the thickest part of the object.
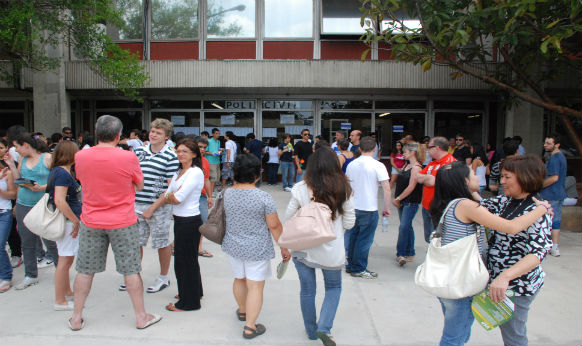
(408, 196)
(7, 193)
(324, 182)
(456, 184)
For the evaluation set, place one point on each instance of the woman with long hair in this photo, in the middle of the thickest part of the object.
(479, 165)
(7, 194)
(408, 196)
(273, 163)
(184, 193)
(514, 261)
(34, 165)
(397, 161)
(64, 192)
(324, 182)
(251, 219)
(456, 184)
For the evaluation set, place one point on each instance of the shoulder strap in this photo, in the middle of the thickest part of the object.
(440, 226)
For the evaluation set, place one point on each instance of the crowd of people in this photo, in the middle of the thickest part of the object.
(127, 198)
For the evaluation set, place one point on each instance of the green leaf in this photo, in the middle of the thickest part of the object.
(365, 54)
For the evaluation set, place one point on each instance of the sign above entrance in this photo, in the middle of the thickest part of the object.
(346, 126)
(229, 104)
(398, 128)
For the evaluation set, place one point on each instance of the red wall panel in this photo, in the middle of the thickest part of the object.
(343, 50)
(288, 50)
(134, 47)
(231, 50)
(384, 51)
(173, 50)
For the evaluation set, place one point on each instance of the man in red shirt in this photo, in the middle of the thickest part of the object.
(437, 149)
(109, 176)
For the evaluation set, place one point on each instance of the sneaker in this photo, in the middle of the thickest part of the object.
(122, 287)
(28, 281)
(555, 252)
(16, 261)
(365, 275)
(5, 285)
(44, 263)
(288, 189)
(66, 307)
(158, 286)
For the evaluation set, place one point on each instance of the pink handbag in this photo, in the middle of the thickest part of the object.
(311, 226)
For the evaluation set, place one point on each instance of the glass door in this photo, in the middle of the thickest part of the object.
(392, 126)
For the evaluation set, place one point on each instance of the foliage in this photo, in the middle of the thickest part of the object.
(32, 30)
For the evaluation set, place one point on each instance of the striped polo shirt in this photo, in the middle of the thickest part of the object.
(157, 170)
(455, 229)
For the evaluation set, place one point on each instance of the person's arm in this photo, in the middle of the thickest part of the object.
(228, 151)
(274, 225)
(60, 197)
(552, 179)
(468, 210)
(149, 212)
(208, 189)
(12, 165)
(299, 170)
(387, 196)
(10, 192)
(411, 186)
(469, 160)
(349, 215)
(425, 179)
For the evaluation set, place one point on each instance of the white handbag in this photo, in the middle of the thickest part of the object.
(44, 221)
(455, 270)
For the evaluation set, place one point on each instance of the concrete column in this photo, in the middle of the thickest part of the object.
(527, 121)
(51, 103)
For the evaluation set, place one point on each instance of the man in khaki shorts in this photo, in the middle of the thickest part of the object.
(109, 176)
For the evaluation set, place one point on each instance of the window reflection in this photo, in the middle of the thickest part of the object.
(231, 18)
(341, 17)
(132, 15)
(174, 19)
(289, 18)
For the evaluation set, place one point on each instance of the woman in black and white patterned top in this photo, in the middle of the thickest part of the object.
(514, 260)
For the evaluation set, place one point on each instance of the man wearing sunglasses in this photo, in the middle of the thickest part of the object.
(462, 152)
(303, 149)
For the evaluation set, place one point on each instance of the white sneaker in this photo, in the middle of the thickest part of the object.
(158, 286)
(122, 287)
(28, 281)
(555, 252)
(44, 263)
(288, 189)
(16, 261)
(66, 307)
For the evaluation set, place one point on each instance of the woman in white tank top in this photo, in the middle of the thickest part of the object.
(7, 193)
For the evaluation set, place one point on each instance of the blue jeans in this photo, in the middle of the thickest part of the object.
(428, 226)
(5, 266)
(405, 244)
(557, 218)
(300, 176)
(514, 331)
(458, 321)
(287, 173)
(203, 206)
(333, 290)
(359, 240)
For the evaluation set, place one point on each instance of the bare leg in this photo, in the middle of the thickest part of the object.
(239, 289)
(82, 288)
(62, 281)
(165, 256)
(134, 286)
(393, 179)
(555, 236)
(254, 302)
(200, 244)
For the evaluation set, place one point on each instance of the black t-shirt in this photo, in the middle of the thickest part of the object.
(461, 154)
(60, 177)
(303, 150)
(286, 156)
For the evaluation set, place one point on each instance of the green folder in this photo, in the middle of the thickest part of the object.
(490, 314)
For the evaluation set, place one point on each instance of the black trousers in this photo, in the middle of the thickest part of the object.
(186, 266)
(14, 241)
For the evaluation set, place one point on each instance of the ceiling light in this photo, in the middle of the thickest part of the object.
(217, 105)
(384, 114)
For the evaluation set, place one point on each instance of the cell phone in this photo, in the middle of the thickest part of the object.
(23, 181)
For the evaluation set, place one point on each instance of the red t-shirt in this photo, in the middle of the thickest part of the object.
(432, 169)
(107, 175)
(206, 171)
(399, 160)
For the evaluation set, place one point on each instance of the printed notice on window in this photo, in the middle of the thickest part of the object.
(227, 120)
(287, 118)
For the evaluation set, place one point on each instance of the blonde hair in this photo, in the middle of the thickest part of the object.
(419, 151)
(165, 124)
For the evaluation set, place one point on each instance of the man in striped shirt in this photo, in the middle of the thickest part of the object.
(158, 162)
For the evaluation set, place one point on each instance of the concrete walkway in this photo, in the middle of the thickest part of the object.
(388, 311)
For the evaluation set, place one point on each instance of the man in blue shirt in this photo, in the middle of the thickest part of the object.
(554, 190)
(255, 147)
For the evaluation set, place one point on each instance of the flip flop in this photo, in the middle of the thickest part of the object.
(326, 339)
(156, 319)
(259, 330)
(242, 316)
(205, 253)
(77, 329)
(172, 307)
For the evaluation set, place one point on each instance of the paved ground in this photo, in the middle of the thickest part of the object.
(388, 311)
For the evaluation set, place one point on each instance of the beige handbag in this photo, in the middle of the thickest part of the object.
(455, 270)
(214, 228)
(45, 221)
(311, 226)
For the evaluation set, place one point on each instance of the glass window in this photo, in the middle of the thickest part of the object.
(132, 15)
(341, 17)
(391, 127)
(289, 18)
(229, 104)
(117, 104)
(187, 122)
(458, 105)
(12, 105)
(231, 18)
(174, 19)
(448, 124)
(400, 104)
(175, 104)
(331, 122)
(346, 104)
(278, 123)
(129, 119)
(12, 118)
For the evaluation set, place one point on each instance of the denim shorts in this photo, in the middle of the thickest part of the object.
(94, 244)
(557, 219)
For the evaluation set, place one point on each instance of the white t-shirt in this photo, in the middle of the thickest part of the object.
(230, 145)
(273, 154)
(134, 144)
(336, 148)
(187, 190)
(15, 155)
(375, 155)
(365, 174)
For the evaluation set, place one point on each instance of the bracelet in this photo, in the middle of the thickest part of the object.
(547, 209)
(397, 199)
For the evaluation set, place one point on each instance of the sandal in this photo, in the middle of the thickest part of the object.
(242, 316)
(205, 253)
(259, 330)
(326, 339)
(172, 307)
(401, 260)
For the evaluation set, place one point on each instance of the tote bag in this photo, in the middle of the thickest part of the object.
(215, 227)
(455, 270)
(44, 221)
(311, 226)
